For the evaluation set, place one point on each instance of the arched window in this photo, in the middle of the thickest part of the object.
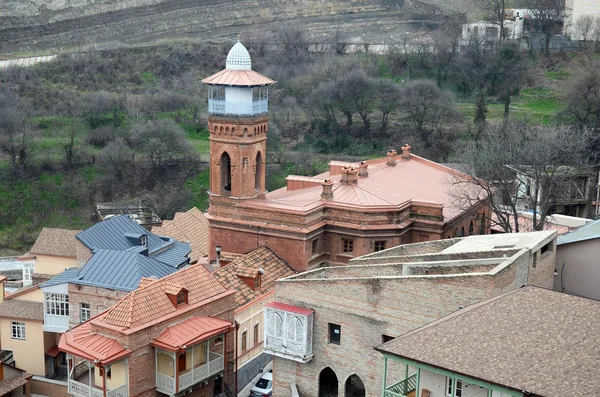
(225, 173)
(232, 131)
(216, 129)
(328, 383)
(354, 387)
(227, 131)
(258, 174)
(471, 228)
(245, 131)
(221, 130)
(295, 330)
(275, 324)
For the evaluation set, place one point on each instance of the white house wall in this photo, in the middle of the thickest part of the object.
(436, 384)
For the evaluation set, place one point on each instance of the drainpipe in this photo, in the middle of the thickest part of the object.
(237, 328)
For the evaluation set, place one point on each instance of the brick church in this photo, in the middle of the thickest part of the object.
(350, 210)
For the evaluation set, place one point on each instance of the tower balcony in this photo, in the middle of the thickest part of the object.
(249, 108)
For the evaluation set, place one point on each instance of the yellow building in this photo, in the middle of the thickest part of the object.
(253, 278)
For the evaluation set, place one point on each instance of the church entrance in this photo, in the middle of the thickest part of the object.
(328, 383)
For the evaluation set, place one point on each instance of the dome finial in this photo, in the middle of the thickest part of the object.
(239, 36)
(238, 58)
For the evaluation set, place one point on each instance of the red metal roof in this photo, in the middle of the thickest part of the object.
(82, 342)
(290, 308)
(53, 351)
(190, 332)
(240, 78)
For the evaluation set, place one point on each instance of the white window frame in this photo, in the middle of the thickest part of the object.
(28, 273)
(17, 330)
(56, 304)
(88, 310)
(452, 388)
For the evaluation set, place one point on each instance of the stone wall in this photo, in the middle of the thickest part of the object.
(99, 300)
(44, 24)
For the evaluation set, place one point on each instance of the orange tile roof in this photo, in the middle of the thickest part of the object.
(82, 342)
(248, 265)
(172, 289)
(189, 226)
(414, 180)
(240, 78)
(59, 242)
(150, 302)
(190, 332)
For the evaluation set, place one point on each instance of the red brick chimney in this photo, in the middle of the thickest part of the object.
(406, 152)
(362, 169)
(349, 176)
(327, 189)
(391, 157)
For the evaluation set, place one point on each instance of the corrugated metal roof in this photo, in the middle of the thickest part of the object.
(190, 331)
(62, 278)
(238, 78)
(120, 270)
(175, 256)
(587, 232)
(82, 342)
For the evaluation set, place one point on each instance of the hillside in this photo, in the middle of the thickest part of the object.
(36, 26)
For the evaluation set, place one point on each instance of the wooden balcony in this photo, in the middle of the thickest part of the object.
(404, 388)
(81, 383)
(188, 377)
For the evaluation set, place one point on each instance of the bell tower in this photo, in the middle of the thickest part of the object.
(238, 122)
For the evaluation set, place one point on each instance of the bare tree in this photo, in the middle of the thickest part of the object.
(95, 106)
(582, 93)
(161, 141)
(15, 134)
(496, 10)
(547, 18)
(584, 27)
(116, 158)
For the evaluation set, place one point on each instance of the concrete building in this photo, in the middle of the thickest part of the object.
(253, 278)
(577, 268)
(324, 323)
(351, 210)
(527, 342)
(574, 9)
(172, 336)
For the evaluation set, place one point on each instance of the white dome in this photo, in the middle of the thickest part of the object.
(238, 58)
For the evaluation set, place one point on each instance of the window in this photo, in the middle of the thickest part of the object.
(63, 359)
(85, 312)
(181, 298)
(255, 334)
(108, 372)
(348, 246)
(379, 246)
(386, 338)
(27, 273)
(144, 240)
(57, 304)
(18, 330)
(315, 247)
(335, 333)
(454, 387)
(244, 341)
(546, 248)
(257, 281)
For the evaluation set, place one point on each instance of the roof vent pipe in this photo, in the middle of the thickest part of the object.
(362, 169)
(349, 176)
(327, 189)
(391, 157)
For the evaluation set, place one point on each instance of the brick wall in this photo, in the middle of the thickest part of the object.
(99, 300)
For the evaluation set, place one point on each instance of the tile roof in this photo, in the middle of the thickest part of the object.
(150, 302)
(58, 242)
(82, 342)
(190, 332)
(416, 180)
(120, 270)
(532, 339)
(588, 232)
(289, 308)
(121, 233)
(26, 310)
(13, 378)
(240, 78)
(248, 265)
(189, 226)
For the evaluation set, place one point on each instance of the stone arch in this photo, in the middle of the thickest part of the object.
(225, 163)
(216, 129)
(328, 383)
(258, 175)
(232, 131)
(354, 387)
(245, 132)
(221, 131)
(227, 131)
(254, 130)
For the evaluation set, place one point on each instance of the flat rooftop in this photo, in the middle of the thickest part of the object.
(472, 255)
(533, 340)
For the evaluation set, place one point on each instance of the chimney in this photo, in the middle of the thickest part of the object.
(327, 189)
(349, 176)
(362, 169)
(391, 157)
(406, 152)
(218, 249)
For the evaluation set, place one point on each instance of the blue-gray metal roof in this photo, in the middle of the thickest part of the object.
(122, 233)
(587, 232)
(64, 277)
(120, 270)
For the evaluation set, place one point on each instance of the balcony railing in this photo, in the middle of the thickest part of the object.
(402, 388)
(166, 384)
(84, 373)
(221, 106)
(54, 323)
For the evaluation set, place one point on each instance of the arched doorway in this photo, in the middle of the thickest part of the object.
(258, 174)
(354, 387)
(225, 173)
(328, 383)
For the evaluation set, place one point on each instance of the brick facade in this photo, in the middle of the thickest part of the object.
(374, 305)
(98, 298)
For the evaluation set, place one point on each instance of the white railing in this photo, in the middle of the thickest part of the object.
(118, 392)
(54, 323)
(165, 383)
(221, 106)
(215, 366)
(82, 390)
(198, 374)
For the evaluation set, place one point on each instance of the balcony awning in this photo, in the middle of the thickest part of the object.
(53, 351)
(290, 308)
(190, 332)
(81, 342)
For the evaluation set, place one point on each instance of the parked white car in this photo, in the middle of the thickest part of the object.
(264, 386)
